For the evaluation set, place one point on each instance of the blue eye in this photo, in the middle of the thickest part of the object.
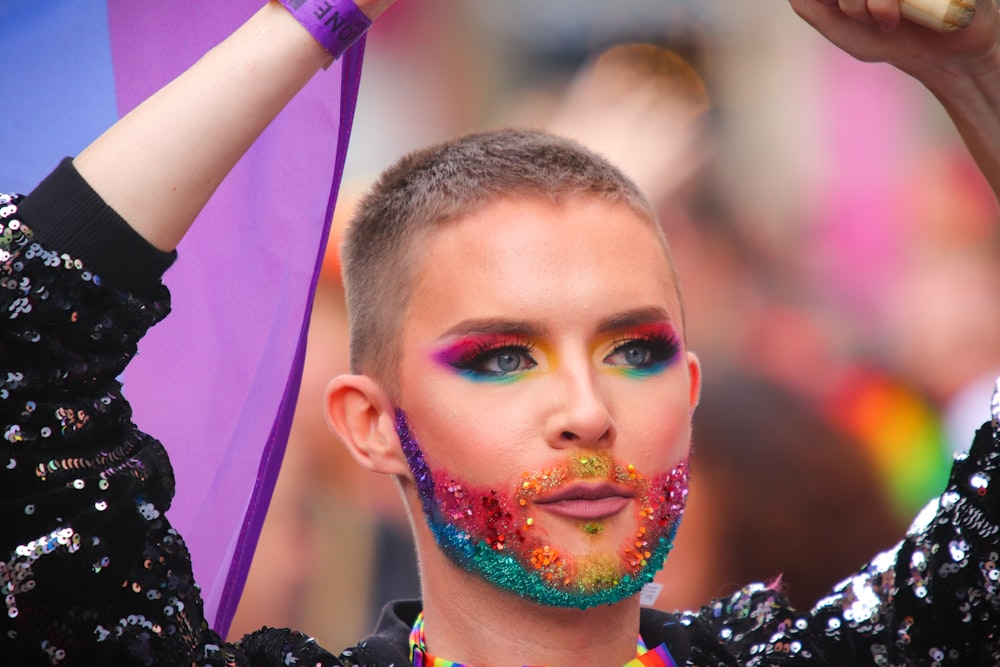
(496, 363)
(506, 362)
(644, 355)
(636, 355)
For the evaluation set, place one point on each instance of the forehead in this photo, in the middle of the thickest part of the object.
(570, 262)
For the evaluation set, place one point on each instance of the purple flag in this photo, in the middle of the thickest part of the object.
(217, 381)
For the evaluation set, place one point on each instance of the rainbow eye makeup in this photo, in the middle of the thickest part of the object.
(644, 349)
(489, 357)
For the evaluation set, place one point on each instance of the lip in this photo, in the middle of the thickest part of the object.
(586, 502)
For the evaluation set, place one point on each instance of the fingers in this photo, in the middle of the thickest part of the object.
(843, 21)
(885, 13)
(939, 15)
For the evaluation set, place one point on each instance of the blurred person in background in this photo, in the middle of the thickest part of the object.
(774, 488)
(940, 321)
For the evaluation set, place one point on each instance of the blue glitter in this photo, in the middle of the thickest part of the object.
(505, 571)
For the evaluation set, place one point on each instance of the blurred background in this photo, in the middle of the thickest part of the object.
(836, 247)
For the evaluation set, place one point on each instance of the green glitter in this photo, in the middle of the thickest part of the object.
(593, 528)
(505, 572)
(540, 573)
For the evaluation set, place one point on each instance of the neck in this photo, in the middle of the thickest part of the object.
(470, 621)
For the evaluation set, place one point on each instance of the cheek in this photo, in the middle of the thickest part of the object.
(655, 427)
(472, 432)
(663, 443)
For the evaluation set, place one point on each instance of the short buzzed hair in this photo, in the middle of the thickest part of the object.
(439, 184)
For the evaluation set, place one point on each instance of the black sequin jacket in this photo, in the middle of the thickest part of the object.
(92, 573)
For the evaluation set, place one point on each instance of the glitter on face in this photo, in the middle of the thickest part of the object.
(589, 467)
(488, 533)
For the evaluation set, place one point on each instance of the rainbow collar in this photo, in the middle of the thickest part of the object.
(419, 657)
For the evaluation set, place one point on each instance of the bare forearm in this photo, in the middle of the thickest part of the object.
(159, 165)
(972, 98)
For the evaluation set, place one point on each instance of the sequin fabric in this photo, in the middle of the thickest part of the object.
(931, 600)
(91, 572)
(658, 657)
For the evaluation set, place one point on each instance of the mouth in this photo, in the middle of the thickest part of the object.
(586, 502)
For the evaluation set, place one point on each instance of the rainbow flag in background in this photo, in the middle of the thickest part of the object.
(217, 381)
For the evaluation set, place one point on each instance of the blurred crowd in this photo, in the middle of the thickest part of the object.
(835, 249)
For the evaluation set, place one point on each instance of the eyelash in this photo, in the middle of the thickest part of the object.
(662, 348)
(473, 358)
(472, 361)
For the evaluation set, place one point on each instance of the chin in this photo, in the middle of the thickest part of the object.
(495, 535)
(554, 580)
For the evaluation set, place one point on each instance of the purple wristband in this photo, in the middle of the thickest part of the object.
(335, 24)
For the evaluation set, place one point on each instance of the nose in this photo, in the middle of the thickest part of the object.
(581, 416)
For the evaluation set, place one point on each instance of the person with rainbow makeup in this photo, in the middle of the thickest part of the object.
(520, 367)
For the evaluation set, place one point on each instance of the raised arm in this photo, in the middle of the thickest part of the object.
(92, 571)
(962, 69)
(158, 166)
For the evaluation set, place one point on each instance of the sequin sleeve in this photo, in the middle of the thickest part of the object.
(931, 600)
(91, 571)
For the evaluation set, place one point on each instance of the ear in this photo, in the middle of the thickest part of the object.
(694, 377)
(360, 412)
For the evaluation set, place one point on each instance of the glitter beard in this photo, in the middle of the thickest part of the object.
(484, 532)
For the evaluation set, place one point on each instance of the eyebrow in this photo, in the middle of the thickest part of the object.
(633, 318)
(531, 329)
(525, 328)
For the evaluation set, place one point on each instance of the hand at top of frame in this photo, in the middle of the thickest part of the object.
(875, 31)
